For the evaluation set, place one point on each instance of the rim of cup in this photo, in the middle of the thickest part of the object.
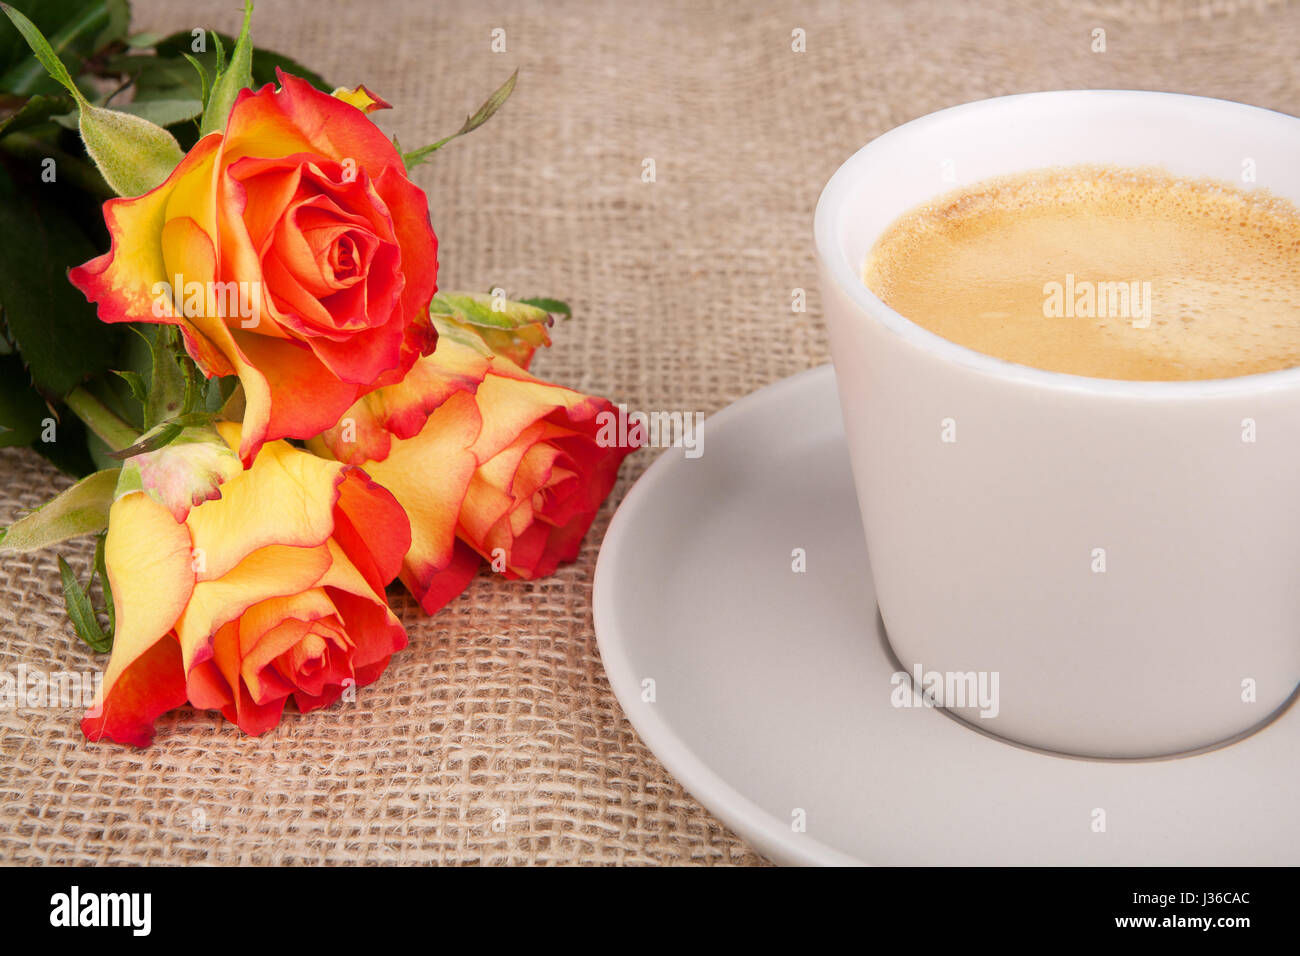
(846, 274)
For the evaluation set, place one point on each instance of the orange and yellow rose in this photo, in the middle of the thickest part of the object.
(291, 249)
(273, 591)
(490, 462)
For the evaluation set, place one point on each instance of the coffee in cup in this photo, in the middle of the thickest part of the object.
(1104, 272)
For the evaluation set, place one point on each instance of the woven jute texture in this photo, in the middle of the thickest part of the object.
(494, 737)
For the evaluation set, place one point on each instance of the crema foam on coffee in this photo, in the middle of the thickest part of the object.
(1104, 272)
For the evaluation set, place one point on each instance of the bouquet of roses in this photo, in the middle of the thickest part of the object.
(273, 410)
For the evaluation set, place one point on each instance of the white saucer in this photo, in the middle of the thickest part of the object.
(772, 690)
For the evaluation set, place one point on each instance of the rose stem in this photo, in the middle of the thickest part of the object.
(117, 433)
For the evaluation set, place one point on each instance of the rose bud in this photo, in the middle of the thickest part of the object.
(187, 471)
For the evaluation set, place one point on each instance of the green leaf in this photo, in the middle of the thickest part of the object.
(156, 77)
(55, 328)
(488, 312)
(133, 154)
(146, 40)
(17, 113)
(81, 612)
(105, 588)
(118, 25)
(156, 439)
(553, 306)
(81, 509)
(481, 116)
(46, 54)
(76, 28)
(238, 75)
(164, 112)
(163, 435)
(22, 410)
(220, 48)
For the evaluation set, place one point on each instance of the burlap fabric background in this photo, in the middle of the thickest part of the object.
(494, 737)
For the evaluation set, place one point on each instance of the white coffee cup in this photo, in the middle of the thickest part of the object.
(1121, 555)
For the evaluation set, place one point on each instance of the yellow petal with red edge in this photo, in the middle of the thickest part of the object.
(298, 118)
(428, 475)
(365, 431)
(434, 590)
(343, 574)
(256, 127)
(286, 497)
(362, 99)
(121, 281)
(510, 405)
(302, 397)
(147, 555)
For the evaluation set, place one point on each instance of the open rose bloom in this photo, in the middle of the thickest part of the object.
(274, 591)
(291, 250)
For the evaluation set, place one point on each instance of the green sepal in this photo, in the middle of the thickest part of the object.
(230, 78)
(135, 155)
(81, 509)
(163, 435)
(480, 116)
(134, 382)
